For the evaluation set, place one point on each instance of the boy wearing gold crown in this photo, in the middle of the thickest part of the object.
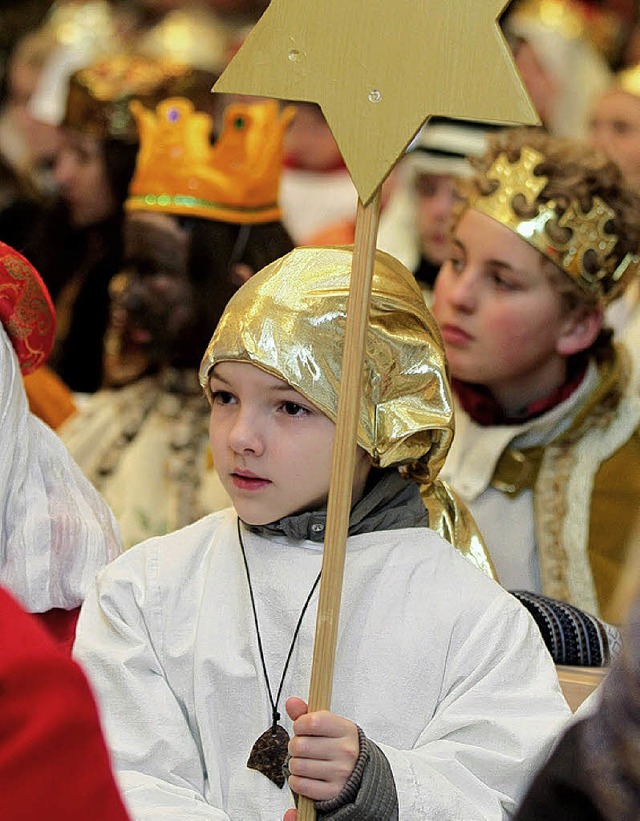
(445, 698)
(199, 219)
(547, 452)
(78, 245)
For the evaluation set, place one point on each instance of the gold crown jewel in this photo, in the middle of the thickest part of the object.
(587, 233)
(236, 180)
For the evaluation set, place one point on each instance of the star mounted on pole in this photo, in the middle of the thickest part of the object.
(380, 68)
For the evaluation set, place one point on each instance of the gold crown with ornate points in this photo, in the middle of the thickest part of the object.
(179, 171)
(575, 236)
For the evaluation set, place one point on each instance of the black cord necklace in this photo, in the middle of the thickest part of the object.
(269, 752)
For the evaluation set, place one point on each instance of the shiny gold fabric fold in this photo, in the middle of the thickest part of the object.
(452, 519)
(289, 320)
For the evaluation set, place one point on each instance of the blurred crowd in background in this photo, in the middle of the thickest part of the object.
(145, 201)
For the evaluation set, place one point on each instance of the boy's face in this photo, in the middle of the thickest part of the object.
(500, 315)
(436, 197)
(81, 175)
(271, 447)
(309, 143)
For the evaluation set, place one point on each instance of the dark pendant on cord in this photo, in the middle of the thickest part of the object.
(269, 753)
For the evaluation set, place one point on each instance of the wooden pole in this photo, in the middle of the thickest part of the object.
(344, 452)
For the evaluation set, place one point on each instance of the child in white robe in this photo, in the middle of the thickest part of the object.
(445, 700)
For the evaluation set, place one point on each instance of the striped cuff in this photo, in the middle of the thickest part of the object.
(370, 792)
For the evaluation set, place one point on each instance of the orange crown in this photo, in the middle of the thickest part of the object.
(178, 171)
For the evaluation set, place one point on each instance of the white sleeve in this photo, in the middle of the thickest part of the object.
(500, 711)
(156, 756)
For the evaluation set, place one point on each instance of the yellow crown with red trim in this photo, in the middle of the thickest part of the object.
(179, 171)
(584, 233)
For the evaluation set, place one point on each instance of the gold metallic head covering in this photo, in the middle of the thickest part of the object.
(289, 320)
(236, 180)
(577, 240)
(99, 94)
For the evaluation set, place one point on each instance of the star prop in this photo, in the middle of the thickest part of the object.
(380, 68)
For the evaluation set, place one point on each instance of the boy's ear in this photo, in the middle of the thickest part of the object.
(580, 330)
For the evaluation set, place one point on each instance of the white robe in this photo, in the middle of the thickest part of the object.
(507, 522)
(443, 669)
(538, 539)
(56, 530)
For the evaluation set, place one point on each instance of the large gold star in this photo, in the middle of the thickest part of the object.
(380, 68)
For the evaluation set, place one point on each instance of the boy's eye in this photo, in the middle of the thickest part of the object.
(457, 263)
(221, 397)
(293, 409)
(504, 283)
(621, 128)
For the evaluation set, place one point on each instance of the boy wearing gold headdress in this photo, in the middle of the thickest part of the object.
(547, 451)
(197, 642)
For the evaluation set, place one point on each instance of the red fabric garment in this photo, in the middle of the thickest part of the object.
(54, 763)
(338, 165)
(26, 309)
(61, 626)
(481, 406)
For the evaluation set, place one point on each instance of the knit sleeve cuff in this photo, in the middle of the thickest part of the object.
(370, 792)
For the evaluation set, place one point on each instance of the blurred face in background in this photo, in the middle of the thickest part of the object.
(309, 143)
(540, 85)
(614, 127)
(33, 144)
(81, 175)
(436, 196)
